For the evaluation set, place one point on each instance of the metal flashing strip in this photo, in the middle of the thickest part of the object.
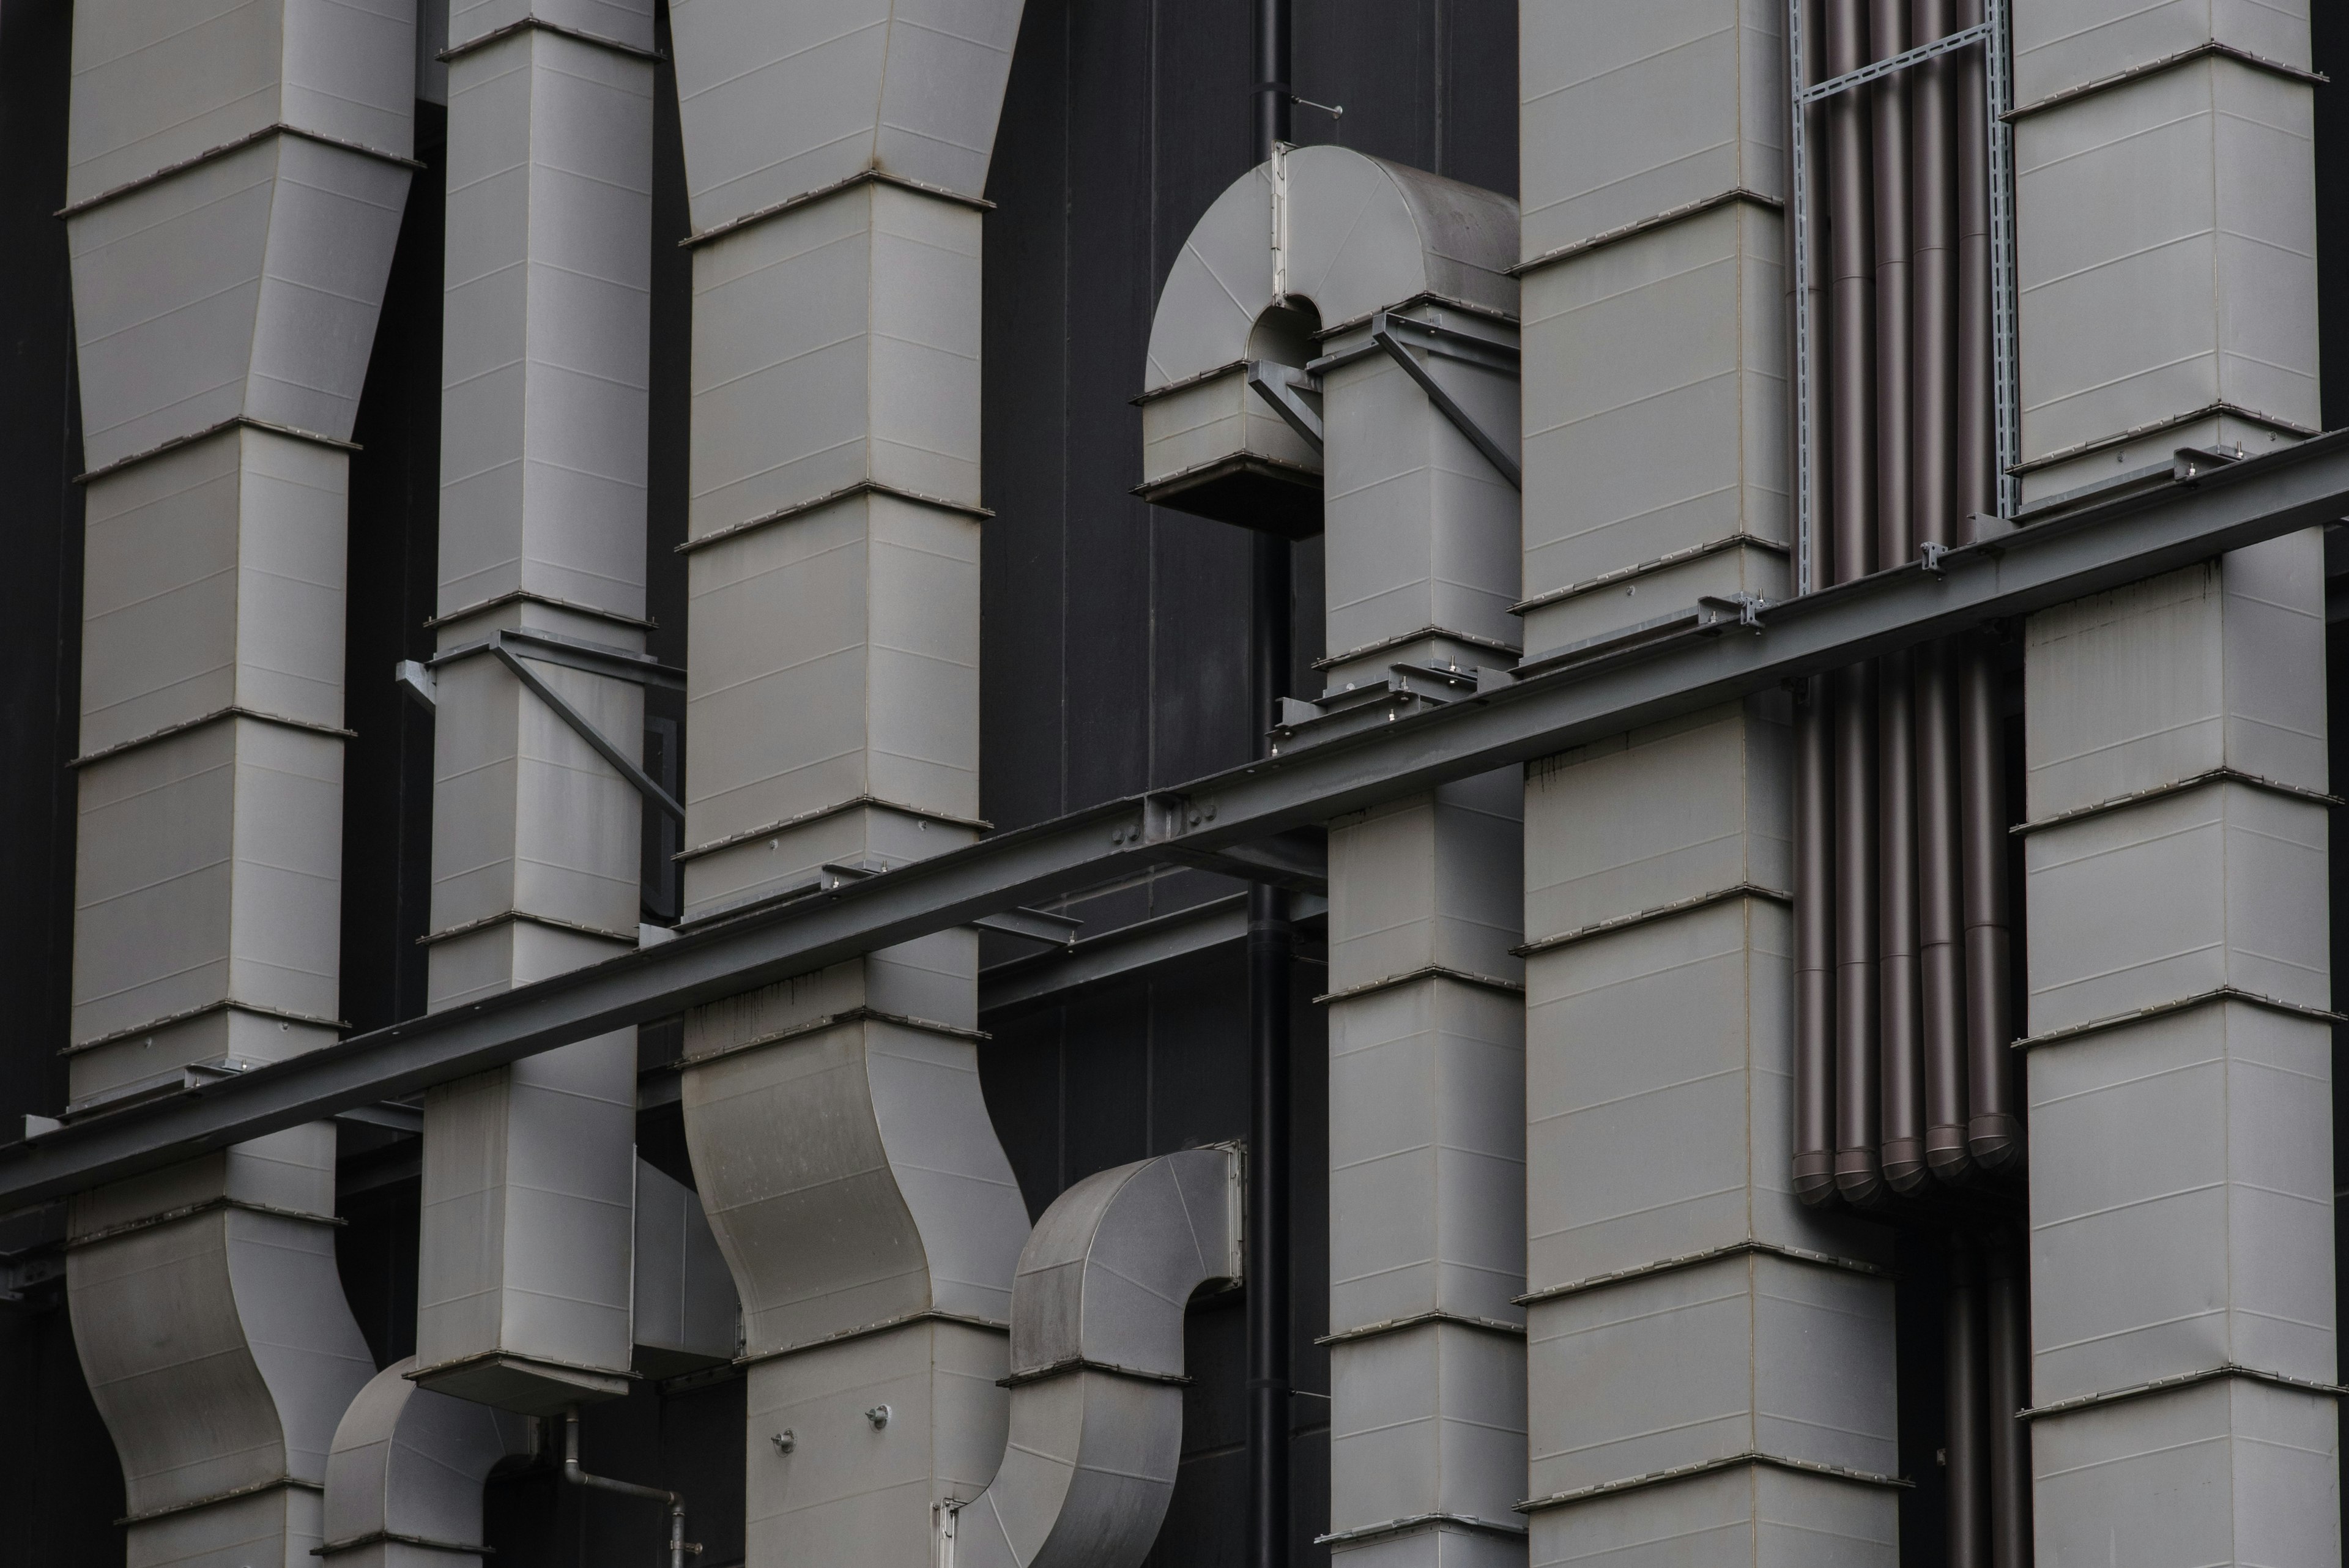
(440, 1368)
(1638, 226)
(238, 144)
(1648, 568)
(2179, 787)
(1426, 971)
(2222, 409)
(1749, 1248)
(2225, 1369)
(2071, 557)
(392, 1538)
(190, 1210)
(2212, 47)
(253, 1489)
(829, 1021)
(2201, 998)
(1614, 923)
(1080, 1364)
(1709, 1467)
(226, 1004)
(1423, 1320)
(784, 824)
(540, 25)
(1411, 1523)
(524, 595)
(868, 1330)
(239, 422)
(829, 498)
(200, 721)
(1196, 377)
(807, 198)
(526, 917)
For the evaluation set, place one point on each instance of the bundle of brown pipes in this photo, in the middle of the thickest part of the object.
(1904, 1091)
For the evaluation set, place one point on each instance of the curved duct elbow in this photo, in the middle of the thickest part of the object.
(1351, 235)
(1096, 1363)
(407, 1470)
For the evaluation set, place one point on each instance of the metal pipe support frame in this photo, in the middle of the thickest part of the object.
(678, 1546)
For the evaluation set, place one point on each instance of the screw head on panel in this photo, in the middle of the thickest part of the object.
(785, 1440)
(878, 1416)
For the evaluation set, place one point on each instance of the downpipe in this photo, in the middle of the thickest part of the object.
(678, 1546)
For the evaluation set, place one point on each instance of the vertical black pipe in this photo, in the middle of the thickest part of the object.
(1966, 1373)
(1271, 944)
(1852, 382)
(2007, 1304)
(1940, 917)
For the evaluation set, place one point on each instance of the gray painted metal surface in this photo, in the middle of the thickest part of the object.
(1550, 712)
(404, 1477)
(686, 1315)
(1096, 1419)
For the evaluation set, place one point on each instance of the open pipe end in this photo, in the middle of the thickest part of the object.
(1946, 1153)
(1996, 1142)
(1904, 1163)
(1858, 1177)
(1815, 1182)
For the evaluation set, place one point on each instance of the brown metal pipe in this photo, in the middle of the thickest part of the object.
(1941, 916)
(2007, 1305)
(1975, 457)
(1814, 1059)
(1966, 1389)
(1902, 1065)
(1993, 1128)
(1852, 433)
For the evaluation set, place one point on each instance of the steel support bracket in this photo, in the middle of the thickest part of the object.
(595, 739)
(1284, 387)
(1398, 335)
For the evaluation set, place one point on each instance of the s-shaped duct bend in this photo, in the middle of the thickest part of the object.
(1097, 1366)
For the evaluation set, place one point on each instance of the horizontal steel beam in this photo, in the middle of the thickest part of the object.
(1561, 707)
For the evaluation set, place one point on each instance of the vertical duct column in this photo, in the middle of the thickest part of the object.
(2181, 1226)
(1708, 1360)
(236, 183)
(1426, 1006)
(523, 1292)
(836, 161)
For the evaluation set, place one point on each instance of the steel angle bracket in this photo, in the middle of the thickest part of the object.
(1293, 860)
(1399, 335)
(1284, 387)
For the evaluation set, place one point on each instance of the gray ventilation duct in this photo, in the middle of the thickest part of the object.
(835, 161)
(235, 183)
(523, 1294)
(404, 1480)
(1710, 1363)
(686, 1315)
(1097, 1366)
(1412, 427)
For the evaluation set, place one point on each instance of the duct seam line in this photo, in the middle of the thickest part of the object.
(1420, 1320)
(503, 917)
(2211, 48)
(393, 1538)
(830, 498)
(200, 721)
(540, 25)
(2225, 1369)
(1614, 923)
(1709, 1467)
(1082, 1363)
(866, 1331)
(524, 596)
(226, 1004)
(2072, 1032)
(1638, 226)
(1697, 1259)
(279, 128)
(792, 203)
(280, 1483)
(1430, 972)
(443, 1369)
(1648, 568)
(189, 1210)
(240, 421)
(2220, 410)
(2181, 786)
(784, 824)
(1403, 639)
(831, 1021)
(1414, 1523)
